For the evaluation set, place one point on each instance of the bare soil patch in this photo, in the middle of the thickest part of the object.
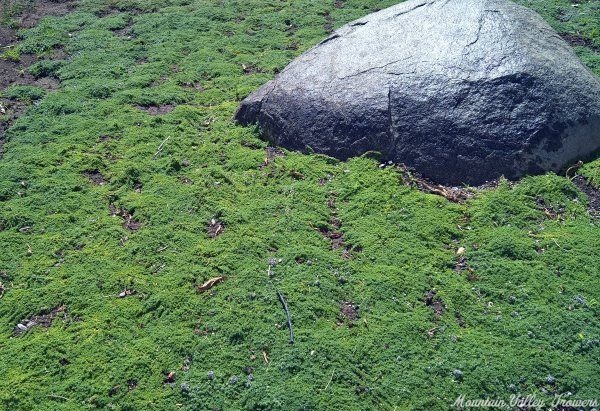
(129, 222)
(193, 85)
(328, 26)
(15, 72)
(215, 228)
(592, 193)
(272, 153)
(158, 110)
(575, 39)
(348, 311)
(434, 302)
(333, 232)
(95, 177)
(43, 319)
(42, 8)
(551, 211)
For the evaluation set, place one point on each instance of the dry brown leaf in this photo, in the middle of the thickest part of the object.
(211, 283)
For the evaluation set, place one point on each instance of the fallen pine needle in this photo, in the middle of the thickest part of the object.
(160, 148)
(330, 379)
(287, 314)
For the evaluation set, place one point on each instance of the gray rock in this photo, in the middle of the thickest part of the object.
(458, 374)
(462, 90)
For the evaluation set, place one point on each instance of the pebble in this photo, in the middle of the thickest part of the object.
(210, 375)
(458, 374)
(22, 327)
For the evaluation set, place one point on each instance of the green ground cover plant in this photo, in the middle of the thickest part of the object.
(129, 186)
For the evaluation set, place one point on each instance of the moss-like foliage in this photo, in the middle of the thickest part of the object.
(129, 186)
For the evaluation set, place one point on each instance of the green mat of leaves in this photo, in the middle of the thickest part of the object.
(129, 186)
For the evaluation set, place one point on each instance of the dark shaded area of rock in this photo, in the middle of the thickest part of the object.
(464, 91)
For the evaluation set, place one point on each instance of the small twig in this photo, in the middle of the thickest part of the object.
(575, 167)
(210, 283)
(287, 313)
(160, 148)
(556, 242)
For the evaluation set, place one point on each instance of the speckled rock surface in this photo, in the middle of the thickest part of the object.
(463, 90)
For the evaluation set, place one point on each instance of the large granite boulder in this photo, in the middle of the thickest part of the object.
(462, 90)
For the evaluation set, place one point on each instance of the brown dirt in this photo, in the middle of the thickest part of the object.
(336, 238)
(33, 14)
(575, 39)
(328, 26)
(333, 231)
(215, 228)
(296, 175)
(44, 319)
(112, 10)
(350, 252)
(591, 192)
(129, 222)
(251, 69)
(462, 265)
(15, 72)
(552, 212)
(158, 110)
(459, 319)
(185, 180)
(348, 311)
(291, 28)
(193, 85)
(293, 46)
(338, 4)
(95, 177)
(435, 303)
(125, 32)
(455, 194)
(272, 153)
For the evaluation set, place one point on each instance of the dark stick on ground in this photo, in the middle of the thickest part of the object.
(287, 314)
